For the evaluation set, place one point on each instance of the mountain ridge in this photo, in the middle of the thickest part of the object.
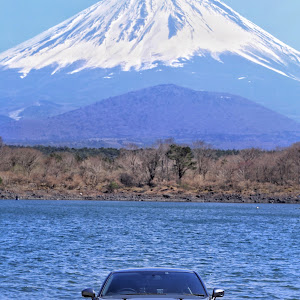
(161, 112)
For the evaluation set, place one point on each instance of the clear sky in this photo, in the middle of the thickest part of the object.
(23, 19)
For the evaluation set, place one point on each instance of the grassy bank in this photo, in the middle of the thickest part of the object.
(165, 172)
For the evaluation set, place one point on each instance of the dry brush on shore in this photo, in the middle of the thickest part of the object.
(166, 168)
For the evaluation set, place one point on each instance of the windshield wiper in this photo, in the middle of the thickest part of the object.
(144, 294)
(199, 295)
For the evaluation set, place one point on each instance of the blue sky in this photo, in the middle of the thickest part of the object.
(23, 19)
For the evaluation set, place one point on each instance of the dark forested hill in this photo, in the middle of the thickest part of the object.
(165, 111)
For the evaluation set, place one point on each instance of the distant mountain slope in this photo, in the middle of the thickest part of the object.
(165, 111)
(4, 120)
(117, 46)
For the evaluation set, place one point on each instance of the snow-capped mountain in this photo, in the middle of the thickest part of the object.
(117, 46)
(137, 34)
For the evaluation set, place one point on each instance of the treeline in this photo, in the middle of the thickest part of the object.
(80, 153)
(166, 166)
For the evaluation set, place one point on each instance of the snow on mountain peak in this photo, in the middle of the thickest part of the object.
(139, 34)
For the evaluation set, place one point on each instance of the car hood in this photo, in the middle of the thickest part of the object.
(156, 297)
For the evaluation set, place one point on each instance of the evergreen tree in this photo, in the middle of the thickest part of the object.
(183, 158)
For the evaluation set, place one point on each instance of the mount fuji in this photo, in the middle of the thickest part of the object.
(118, 46)
(140, 34)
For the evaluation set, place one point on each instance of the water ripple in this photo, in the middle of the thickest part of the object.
(54, 249)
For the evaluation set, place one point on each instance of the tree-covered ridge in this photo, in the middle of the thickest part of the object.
(80, 153)
(224, 120)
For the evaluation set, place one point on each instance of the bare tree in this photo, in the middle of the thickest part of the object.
(27, 159)
(91, 170)
(163, 147)
(247, 161)
(295, 149)
(290, 165)
(203, 155)
(131, 156)
(150, 161)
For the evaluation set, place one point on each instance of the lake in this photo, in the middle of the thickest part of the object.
(54, 249)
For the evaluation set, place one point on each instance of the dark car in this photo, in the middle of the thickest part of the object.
(153, 283)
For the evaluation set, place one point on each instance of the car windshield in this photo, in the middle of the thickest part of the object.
(153, 283)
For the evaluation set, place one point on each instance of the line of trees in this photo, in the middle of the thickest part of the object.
(196, 168)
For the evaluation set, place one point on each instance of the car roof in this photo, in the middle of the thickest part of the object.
(154, 269)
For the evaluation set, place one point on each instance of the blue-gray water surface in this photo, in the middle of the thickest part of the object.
(54, 249)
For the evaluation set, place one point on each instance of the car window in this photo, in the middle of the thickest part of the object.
(148, 282)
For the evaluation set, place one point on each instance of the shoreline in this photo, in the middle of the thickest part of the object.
(155, 197)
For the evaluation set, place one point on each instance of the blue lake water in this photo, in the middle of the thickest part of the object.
(54, 249)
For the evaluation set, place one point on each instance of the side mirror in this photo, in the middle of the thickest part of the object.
(88, 293)
(218, 293)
